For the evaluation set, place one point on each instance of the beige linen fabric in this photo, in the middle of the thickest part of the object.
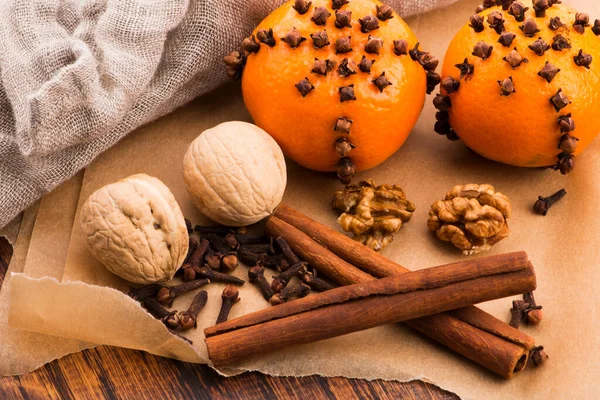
(77, 76)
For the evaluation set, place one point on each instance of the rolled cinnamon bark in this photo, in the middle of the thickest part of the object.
(376, 302)
(469, 331)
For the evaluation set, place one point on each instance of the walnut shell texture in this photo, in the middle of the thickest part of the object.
(472, 217)
(136, 229)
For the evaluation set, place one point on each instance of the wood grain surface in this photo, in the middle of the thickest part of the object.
(115, 373)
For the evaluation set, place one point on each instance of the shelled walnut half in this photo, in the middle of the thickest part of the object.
(372, 213)
(472, 217)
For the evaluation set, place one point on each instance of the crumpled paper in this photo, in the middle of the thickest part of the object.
(562, 247)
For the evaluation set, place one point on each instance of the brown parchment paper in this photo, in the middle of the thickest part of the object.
(563, 247)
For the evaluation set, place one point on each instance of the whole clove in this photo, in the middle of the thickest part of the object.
(582, 20)
(565, 164)
(560, 100)
(347, 93)
(320, 39)
(518, 10)
(583, 60)
(280, 281)
(293, 38)
(315, 283)
(384, 12)
(442, 103)
(566, 123)
(345, 170)
(555, 23)
(568, 143)
(373, 45)
(189, 274)
(167, 294)
(516, 313)
(482, 50)
(343, 19)
(322, 67)
(256, 275)
(231, 241)
(530, 28)
(506, 39)
(466, 69)
(192, 246)
(539, 47)
(548, 72)
(229, 263)
(506, 4)
(217, 243)
(169, 318)
(343, 147)
(596, 27)
(450, 85)
(215, 276)
(212, 259)
(496, 21)
(507, 87)
(343, 125)
(250, 257)
(381, 82)
(347, 68)
(540, 7)
(514, 59)
(429, 62)
(250, 45)
(433, 79)
(304, 87)
(365, 64)
(320, 15)
(301, 6)
(533, 313)
(235, 62)
(289, 293)
(266, 37)
(230, 296)
(343, 45)
(368, 23)
(559, 43)
(198, 254)
(543, 204)
(144, 292)
(416, 54)
(287, 251)
(259, 247)
(188, 319)
(476, 22)
(538, 355)
(400, 47)
(337, 4)
(276, 262)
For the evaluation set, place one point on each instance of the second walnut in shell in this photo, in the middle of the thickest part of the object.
(472, 217)
(372, 213)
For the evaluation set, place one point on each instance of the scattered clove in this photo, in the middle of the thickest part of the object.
(230, 296)
(250, 45)
(289, 293)
(583, 60)
(347, 93)
(301, 6)
(548, 72)
(482, 50)
(538, 355)
(189, 274)
(496, 21)
(293, 38)
(215, 276)
(229, 263)
(322, 67)
(560, 100)
(539, 47)
(476, 22)
(266, 37)
(320, 16)
(400, 47)
(540, 7)
(450, 85)
(287, 251)
(247, 238)
(555, 23)
(365, 64)
(347, 68)
(543, 204)
(231, 241)
(343, 19)
(259, 247)
(506, 39)
(315, 283)
(320, 39)
(343, 45)
(192, 246)
(346, 170)
(442, 103)
(530, 28)
(256, 275)
(144, 292)
(384, 12)
(514, 59)
(196, 257)
(276, 262)
(566, 123)
(217, 243)
(167, 294)
(337, 4)
(188, 318)
(518, 10)
(169, 318)
(373, 45)
(251, 258)
(381, 82)
(516, 313)
(507, 86)
(368, 23)
(582, 20)
(533, 313)
(559, 43)
(343, 125)
(212, 259)
(304, 87)
(280, 281)
(465, 69)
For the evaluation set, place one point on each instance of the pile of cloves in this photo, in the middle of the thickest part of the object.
(216, 251)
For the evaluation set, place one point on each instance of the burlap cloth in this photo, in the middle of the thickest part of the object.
(77, 76)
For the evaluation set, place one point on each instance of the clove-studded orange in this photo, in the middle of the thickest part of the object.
(339, 84)
(521, 83)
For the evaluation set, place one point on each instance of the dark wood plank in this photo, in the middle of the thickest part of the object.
(115, 373)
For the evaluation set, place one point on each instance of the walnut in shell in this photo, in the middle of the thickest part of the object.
(136, 229)
(372, 213)
(472, 217)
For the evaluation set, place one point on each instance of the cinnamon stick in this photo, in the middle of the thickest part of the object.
(366, 305)
(471, 332)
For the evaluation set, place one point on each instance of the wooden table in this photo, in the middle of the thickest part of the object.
(111, 372)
